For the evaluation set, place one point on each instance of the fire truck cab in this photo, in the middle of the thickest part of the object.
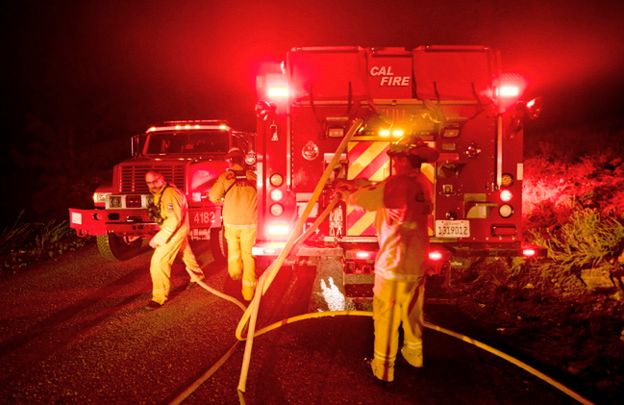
(190, 155)
(454, 98)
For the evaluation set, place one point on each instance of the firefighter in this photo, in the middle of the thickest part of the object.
(170, 210)
(402, 203)
(236, 187)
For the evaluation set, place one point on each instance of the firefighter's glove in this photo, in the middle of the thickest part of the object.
(350, 186)
(159, 239)
(153, 211)
(155, 242)
(341, 189)
(344, 186)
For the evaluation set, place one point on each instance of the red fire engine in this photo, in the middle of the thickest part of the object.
(454, 98)
(190, 154)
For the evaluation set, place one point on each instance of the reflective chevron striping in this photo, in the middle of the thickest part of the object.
(368, 160)
(360, 222)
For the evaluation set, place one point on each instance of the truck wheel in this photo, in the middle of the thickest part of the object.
(218, 244)
(114, 247)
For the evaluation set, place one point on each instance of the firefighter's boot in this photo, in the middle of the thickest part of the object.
(412, 352)
(248, 288)
(382, 370)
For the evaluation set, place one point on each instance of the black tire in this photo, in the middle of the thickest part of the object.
(117, 248)
(218, 244)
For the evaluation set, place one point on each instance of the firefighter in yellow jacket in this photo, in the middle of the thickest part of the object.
(170, 210)
(402, 203)
(237, 188)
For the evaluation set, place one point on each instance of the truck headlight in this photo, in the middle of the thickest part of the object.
(100, 197)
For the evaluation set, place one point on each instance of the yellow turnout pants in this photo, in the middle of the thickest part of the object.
(240, 260)
(396, 303)
(160, 266)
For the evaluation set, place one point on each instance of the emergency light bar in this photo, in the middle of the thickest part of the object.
(181, 127)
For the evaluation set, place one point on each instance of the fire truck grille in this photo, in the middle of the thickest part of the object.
(133, 177)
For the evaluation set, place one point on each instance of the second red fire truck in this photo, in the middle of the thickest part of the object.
(189, 154)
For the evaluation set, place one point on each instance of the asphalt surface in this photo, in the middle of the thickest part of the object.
(74, 331)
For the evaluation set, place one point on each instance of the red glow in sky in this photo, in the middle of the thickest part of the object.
(197, 58)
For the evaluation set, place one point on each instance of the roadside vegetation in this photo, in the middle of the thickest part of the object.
(564, 312)
(25, 243)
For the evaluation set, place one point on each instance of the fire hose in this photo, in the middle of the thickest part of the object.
(250, 314)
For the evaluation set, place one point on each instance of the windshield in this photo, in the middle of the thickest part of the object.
(187, 142)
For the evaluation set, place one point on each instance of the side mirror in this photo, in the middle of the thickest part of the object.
(136, 144)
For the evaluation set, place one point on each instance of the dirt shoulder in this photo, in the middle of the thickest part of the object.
(559, 326)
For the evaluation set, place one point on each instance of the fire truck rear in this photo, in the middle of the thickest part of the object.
(190, 155)
(454, 98)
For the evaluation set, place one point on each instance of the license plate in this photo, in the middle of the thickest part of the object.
(452, 229)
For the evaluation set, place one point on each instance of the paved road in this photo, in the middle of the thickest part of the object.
(74, 331)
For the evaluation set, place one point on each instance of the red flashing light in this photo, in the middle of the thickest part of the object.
(362, 254)
(276, 194)
(508, 91)
(277, 92)
(529, 252)
(435, 255)
(506, 195)
(196, 196)
(278, 229)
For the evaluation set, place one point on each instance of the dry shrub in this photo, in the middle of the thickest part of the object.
(588, 240)
(26, 243)
(574, 209)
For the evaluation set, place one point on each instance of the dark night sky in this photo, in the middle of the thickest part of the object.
(118, 66)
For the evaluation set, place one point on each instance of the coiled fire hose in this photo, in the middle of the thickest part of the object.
(250, 314)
